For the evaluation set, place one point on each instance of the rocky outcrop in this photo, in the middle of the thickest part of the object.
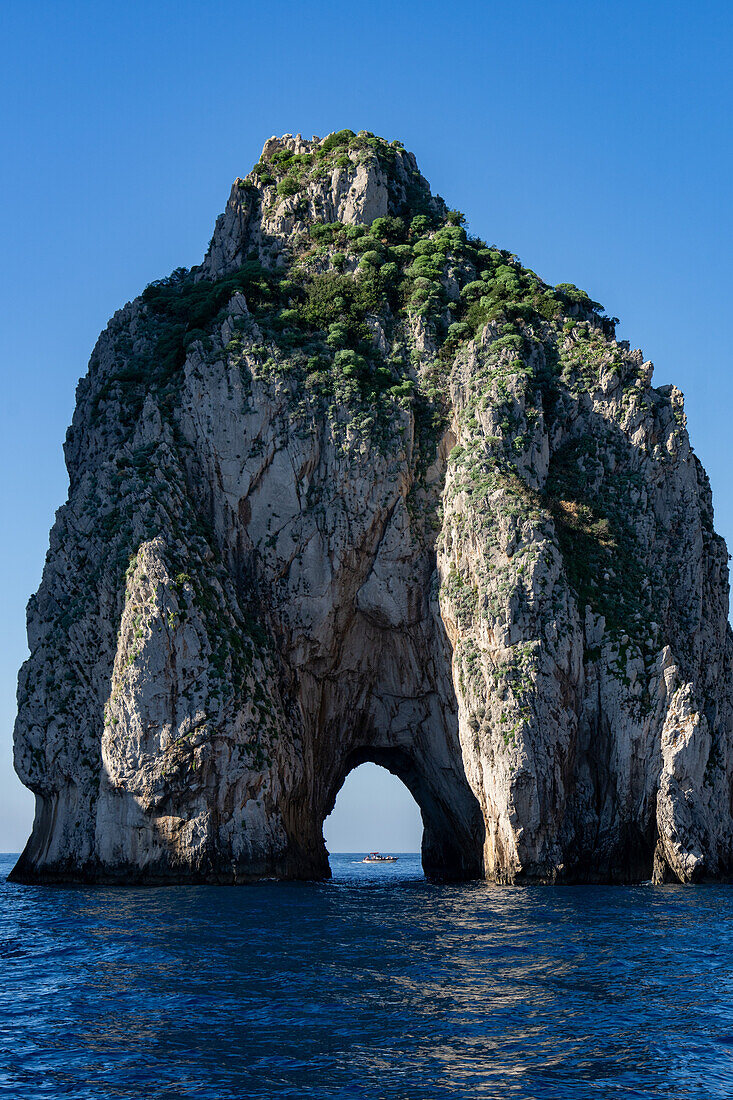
(361, 488)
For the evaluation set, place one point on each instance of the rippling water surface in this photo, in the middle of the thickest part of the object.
(376, 984)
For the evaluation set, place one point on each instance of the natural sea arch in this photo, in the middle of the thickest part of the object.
(451, 819)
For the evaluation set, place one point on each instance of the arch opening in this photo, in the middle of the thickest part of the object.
(374, 812)
(452, 828)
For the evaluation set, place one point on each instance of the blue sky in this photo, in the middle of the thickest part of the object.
(591, 139)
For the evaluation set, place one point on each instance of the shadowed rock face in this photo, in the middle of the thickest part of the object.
(360, 488)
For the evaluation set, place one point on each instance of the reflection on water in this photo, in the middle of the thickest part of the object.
(375, 985)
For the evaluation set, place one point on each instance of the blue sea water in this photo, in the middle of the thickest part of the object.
(374, 985)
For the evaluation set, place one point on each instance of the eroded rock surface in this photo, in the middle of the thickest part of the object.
(361, 488)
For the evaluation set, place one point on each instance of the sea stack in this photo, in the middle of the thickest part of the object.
(362, 487)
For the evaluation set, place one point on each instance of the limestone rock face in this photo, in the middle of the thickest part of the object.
(362, 488)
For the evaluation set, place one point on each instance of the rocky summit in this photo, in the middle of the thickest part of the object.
(361, 487)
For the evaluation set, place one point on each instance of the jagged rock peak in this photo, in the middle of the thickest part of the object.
(345, 177)
(295, 145)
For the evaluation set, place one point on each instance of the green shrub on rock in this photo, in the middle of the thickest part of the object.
(338, 335)
(471, 291)
(388, 229)
(459, 330)
(343, 137)
(288, 186)
(348, 363)
(401, 253)
(420, 225)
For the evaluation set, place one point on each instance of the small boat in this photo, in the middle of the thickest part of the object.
(376, 857)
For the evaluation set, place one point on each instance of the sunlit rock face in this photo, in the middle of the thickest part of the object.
(361, 487)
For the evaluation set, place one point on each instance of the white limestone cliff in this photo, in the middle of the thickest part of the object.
(491, 567)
